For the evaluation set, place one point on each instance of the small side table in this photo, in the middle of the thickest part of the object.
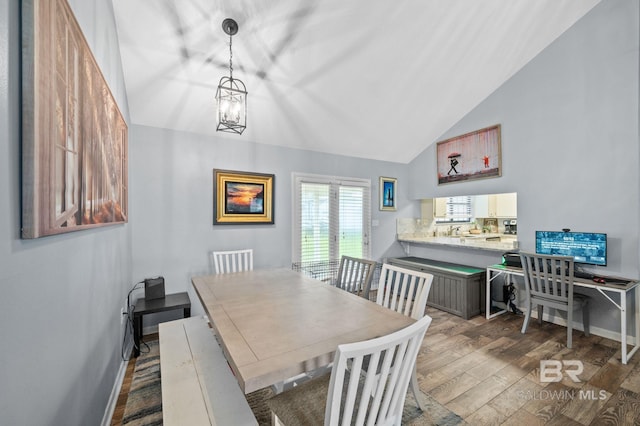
(144, 307)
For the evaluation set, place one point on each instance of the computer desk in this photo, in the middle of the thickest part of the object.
(606, 289)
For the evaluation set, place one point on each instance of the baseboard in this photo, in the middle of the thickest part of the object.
(115, 393)
(602, 332)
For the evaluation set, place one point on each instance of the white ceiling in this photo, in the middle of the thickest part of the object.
(371, 79)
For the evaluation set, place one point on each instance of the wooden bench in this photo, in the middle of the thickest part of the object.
(198, 387)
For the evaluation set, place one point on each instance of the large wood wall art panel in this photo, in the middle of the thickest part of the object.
(74, 141)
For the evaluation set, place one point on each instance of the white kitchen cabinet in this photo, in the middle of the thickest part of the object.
(426, 210)
(432, 208)
(506, 205)
(439, 207)
(496, 205)
(481, 206)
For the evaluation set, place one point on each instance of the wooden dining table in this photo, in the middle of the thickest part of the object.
(274, 324)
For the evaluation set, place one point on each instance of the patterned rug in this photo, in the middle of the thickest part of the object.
(144, 402)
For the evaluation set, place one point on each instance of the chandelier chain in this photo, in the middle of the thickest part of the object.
(230, 59)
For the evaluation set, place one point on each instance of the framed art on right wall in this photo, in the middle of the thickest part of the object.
(388, 193)
(475, 155)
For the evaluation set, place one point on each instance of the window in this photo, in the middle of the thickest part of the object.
(331, 218)
(458, 209)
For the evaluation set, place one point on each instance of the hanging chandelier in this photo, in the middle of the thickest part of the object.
(231, 96)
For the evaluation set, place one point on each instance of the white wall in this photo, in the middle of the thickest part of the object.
(570, 146)
(61, 296)
(172, 202)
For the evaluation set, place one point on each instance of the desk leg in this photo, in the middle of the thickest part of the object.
(137, 332)
(636, 318)
(488, 314)
(636, 344)
(623, 325)
(623, 320)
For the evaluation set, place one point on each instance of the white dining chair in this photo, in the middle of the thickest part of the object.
(548, 281)
(232, 261)
(350, 396)
(355, 275)
(405, 291)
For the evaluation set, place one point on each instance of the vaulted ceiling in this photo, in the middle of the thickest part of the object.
(372, 79)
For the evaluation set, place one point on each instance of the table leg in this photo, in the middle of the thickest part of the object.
(187, 313)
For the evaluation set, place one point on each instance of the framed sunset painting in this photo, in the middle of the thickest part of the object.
(242, 197)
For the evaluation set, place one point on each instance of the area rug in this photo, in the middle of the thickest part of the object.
(144, 403)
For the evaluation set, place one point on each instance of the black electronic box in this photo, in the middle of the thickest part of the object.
(154, 288)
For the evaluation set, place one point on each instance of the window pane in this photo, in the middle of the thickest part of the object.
(351, 226)
(314, 223)
(458, 210)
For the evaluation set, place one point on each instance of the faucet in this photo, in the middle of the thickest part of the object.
(452, 229)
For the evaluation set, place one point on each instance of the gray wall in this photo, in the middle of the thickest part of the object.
(570, 116)
(171, 202)
(61, 296)
(570, 146)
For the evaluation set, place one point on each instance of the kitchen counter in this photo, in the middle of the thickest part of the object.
(496, 242)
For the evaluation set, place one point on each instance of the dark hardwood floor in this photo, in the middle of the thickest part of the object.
(488, 373)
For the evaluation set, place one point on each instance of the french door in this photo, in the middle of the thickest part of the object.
(332, 218)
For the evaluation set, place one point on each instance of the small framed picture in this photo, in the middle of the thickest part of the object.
(388, 193)
(242, 197)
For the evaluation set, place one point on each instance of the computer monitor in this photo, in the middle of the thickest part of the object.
(585, 247)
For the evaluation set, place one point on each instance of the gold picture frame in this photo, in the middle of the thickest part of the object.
(242, 197)
(474, 155)
(387, 196)
(74, 137)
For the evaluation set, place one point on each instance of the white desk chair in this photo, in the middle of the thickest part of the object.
(548, 281)
(394, 286)
(351, 396)
(232, 261)
(355, 275)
